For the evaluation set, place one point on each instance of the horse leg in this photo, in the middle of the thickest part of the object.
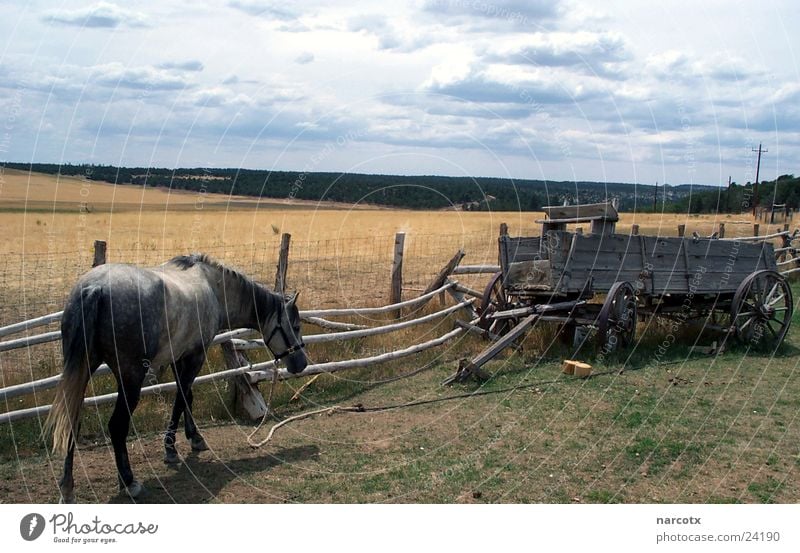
(170, 452)
(192, 434)
(129, 390)
(191, 367)
(186, 369)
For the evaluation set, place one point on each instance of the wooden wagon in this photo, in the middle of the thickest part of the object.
(597, 285)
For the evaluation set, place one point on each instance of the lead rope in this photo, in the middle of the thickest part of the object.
(359, 408)
(273, 386)
(268, 410)
(329, 410)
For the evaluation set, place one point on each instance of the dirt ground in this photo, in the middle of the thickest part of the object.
(698, 430)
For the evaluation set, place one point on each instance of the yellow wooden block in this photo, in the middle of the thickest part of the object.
(582, 369)
(577, 368)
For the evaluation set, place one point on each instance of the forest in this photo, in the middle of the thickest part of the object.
(429, 191)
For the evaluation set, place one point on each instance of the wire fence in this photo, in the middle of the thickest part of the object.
(329, 273)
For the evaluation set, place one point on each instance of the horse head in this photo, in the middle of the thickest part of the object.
(282, 335)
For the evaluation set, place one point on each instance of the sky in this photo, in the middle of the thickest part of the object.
(613, 91)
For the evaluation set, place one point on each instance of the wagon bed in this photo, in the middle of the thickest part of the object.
(563, 262)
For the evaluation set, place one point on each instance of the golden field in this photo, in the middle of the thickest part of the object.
(41, 213)
(338, 255)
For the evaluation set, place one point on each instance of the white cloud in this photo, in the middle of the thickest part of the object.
(265, 8)
(144, 78)
(593, 53)
(523, 13)
(188, 65)
(304, 58)
(394, 35)
(99, 15)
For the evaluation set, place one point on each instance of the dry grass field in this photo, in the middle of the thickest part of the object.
(338, 256)
(41, 213)
(721, 429)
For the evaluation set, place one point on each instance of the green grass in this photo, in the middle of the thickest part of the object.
(687, 429)
(765, 491)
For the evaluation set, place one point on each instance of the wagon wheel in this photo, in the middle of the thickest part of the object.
(617, 318)
(495, 299)
(762, 309)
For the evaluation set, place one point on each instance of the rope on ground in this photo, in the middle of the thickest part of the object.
(360, 408)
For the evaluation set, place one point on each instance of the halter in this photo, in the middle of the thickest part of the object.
(291, 349)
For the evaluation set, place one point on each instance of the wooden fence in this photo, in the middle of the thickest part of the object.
(247, 375)
(235, 343)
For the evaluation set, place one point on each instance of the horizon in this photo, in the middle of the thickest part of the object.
(410, 175)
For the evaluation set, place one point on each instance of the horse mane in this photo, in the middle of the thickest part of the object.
(184, 262)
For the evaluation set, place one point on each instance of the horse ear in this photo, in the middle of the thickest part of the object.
(293, 298)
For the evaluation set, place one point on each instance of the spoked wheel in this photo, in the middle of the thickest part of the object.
(494, 300)
(762, 309)
(617, 319)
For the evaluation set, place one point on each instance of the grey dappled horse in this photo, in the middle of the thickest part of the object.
(133, 318)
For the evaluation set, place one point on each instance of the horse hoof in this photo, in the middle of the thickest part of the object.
(171, 458)
(135, 489)
(199, 444)
(67, 499)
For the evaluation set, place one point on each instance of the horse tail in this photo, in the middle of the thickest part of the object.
(78, 329)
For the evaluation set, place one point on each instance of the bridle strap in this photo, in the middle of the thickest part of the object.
(293, 348)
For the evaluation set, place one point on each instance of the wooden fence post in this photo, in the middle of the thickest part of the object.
(438, 282)
(283, 264)
(635, 230)
(681, 230)
(396, 289)
(248, 400)
(722, 230)
(503, 232)
(755, 229)
(99, 253)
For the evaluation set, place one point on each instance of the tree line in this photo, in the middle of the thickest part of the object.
(412, 192)
(741, 198)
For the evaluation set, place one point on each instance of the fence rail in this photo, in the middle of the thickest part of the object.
(238, 367)
(250, 374)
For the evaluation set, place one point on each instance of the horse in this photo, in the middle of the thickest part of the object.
(135, 318)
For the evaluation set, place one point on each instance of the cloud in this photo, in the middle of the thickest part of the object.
(600, 54)
(265, 8)
(518, 13)
(189, 65)
(139, 78)
(390, 36)
(676, 65)
(304, 58)
(483, 86)
(101, 15)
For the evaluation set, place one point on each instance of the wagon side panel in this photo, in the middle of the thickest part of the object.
(523, 265)
(606, 259)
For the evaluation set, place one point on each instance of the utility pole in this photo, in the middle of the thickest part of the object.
(758, 168)
(655, 197)
(728, 196)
